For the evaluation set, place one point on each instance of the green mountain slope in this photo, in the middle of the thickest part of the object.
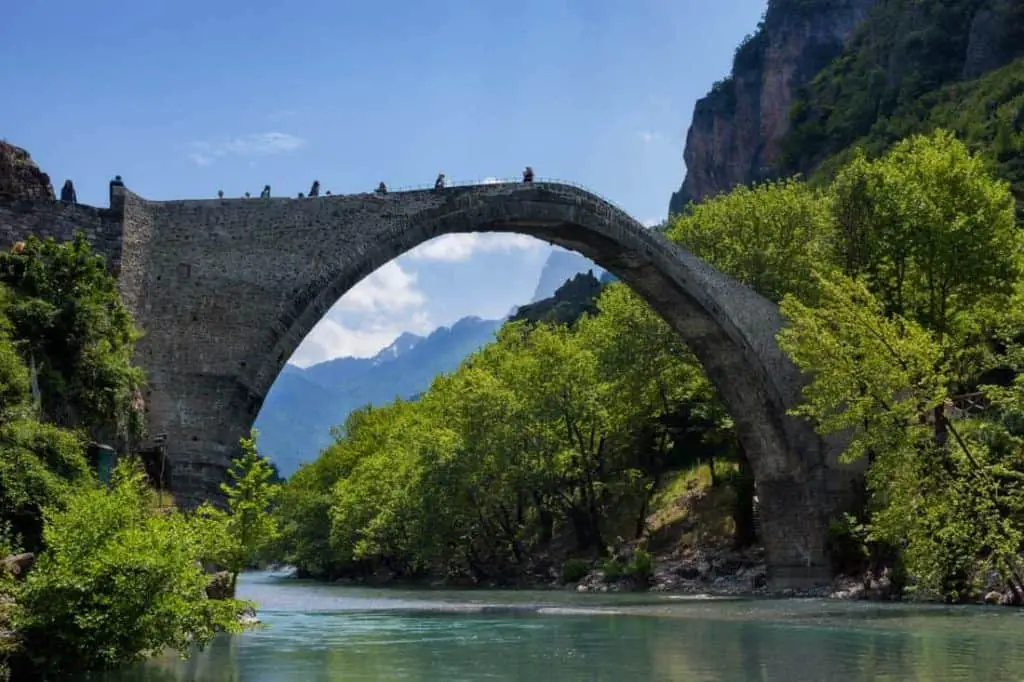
(912, 66)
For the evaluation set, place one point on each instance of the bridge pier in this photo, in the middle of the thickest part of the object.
(794, 532)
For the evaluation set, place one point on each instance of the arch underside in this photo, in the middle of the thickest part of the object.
(729, 328)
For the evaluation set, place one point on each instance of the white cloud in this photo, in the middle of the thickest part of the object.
(367, 318)
(331, 339)
(389, 289)
(205, 153)
(653, 222)
(490, 180)
(649, 136)
(460, 247)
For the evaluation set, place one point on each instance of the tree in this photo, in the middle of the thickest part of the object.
(932, 232)
(68, 320)
(249, 528)
(661, 401)
(769, 237)
(39, 462)
(118, 582)
(953, 506)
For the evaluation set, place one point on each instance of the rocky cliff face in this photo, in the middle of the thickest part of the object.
(737, 129)
(20, 177)
(996, 37)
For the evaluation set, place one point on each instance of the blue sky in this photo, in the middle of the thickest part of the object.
(184, 98)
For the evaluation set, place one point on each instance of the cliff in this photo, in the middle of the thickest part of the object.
(894, 67)
(20, 177)
(820, 76)
(737, 130)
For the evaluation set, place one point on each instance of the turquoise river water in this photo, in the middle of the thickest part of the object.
(320, 632)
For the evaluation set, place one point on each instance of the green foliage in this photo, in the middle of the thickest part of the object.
(238, 537)
(905, 50)
(954, 507)
(931, 231)
(873, 374)
(117, 583)
(67, 318)
(768, 237)
(39, 462)
(574, 570)
(551, 430)
(640, 566)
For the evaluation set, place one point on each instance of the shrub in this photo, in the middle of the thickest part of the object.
(574, 570)
(116, 584)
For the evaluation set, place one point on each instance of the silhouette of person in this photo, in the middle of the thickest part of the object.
(67, 193)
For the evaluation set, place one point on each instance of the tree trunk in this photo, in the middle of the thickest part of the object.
(743, 510)
(588, 536)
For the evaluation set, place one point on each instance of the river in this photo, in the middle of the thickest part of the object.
(322, 632)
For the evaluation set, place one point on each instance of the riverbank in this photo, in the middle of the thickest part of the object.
(691, 549)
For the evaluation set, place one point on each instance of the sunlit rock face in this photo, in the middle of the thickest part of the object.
(737, 129)
(20, 177)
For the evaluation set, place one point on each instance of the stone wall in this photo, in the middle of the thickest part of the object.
(102, 227)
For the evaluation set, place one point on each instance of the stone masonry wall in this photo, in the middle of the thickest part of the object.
(102, 227)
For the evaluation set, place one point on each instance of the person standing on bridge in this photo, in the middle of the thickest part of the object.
(439, 183)
(382, 188)
(265, 194)
(314, 191)
(67, 193)
(528, 174)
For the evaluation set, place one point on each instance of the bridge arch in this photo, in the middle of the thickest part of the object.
(226, 290)
(730, 328)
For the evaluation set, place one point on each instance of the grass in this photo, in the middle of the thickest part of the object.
(687, 511)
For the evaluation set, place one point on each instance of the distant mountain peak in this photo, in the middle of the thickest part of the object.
(303, 404)
(405, 342)
(560, 266)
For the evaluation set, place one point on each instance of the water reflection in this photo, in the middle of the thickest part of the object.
(720, 642)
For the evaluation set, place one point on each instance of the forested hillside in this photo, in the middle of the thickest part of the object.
(913, 66)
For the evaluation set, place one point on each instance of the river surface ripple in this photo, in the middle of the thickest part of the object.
(325, 632)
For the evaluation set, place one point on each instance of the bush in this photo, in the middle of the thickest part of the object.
(640, 567)
(116, 584)
(613, 570)
(574, 570)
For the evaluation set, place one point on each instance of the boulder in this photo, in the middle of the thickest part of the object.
(19, 565)
(20, 177)
(219, 586)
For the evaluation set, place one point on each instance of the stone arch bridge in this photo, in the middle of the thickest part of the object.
(226, 289)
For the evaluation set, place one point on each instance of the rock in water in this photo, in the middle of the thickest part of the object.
(219, 586)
